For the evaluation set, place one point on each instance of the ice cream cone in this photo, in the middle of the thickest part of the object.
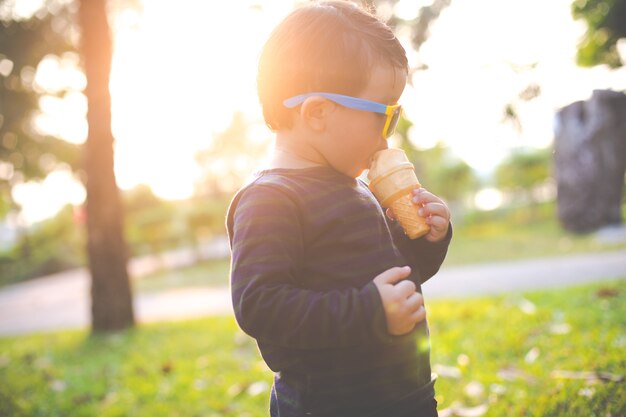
(392, 178)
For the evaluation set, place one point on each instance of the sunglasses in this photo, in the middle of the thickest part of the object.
(392, 112)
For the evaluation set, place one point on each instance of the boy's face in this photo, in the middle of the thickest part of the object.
(354, 136)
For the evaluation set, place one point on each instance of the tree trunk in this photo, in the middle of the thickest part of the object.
(590, 160)
(111, 295)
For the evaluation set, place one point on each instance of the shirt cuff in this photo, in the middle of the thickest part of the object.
(379, 328)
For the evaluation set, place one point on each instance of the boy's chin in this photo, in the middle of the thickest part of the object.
(357, 173)
(354, 171)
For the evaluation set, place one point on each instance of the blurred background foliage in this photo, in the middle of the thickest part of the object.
(50, 246)
(25, 152)
(606, 25)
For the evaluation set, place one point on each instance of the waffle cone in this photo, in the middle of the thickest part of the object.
(405, 211)
(394, 183)
(392, 178)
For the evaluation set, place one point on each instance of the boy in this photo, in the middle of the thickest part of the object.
(328, 285)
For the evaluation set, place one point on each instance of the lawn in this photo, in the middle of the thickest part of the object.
(557, 353)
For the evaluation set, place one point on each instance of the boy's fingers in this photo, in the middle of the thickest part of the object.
(406, 288)
(419, 315)
(438, 222)
(393, 275)
(435, 207)
(425, 197)
(390, 214)
(423, 194)
(415, 301)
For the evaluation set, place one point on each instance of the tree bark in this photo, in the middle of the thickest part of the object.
(111, 295)
(590, 160)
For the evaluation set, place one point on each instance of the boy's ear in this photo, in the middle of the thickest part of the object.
(315, 111)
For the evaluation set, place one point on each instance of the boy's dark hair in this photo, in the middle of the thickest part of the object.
(328, 46)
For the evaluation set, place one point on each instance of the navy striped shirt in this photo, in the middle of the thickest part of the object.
(306, 245)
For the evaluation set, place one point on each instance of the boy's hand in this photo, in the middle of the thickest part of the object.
(434, 210)
(404, 307)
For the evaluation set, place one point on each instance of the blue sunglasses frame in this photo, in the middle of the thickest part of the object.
(391, 111)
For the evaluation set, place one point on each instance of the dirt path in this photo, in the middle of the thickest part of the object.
(61, 301)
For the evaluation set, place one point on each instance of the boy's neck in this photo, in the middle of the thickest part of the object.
(291, 153)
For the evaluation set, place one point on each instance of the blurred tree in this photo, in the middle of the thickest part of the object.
(441, 172)
(148, 219)
(523, 171)
(139, 199)
(606, 24)
(25, 153)
(51, 246)
(530, 92)
(447, 175)
(454, 180)
(402, 132)
(51, 32)
(230, 158)
(419, 26)
(111, 296)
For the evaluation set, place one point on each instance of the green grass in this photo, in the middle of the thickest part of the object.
(517, 233)
(514, 347)
(209, 368)
(479, 237)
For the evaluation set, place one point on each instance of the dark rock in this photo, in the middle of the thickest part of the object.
(590, 160)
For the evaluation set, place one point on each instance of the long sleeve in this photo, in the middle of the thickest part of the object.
(269, 300)
(423, 255)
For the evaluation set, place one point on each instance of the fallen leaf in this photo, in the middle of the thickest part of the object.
(167, 367)
(82, 399)
(58, 386)
(620, 341)
(110, 398)
(4, 361)
(527, 307)
(447, 371)
(203, 362)
(42, 362)
(512, 373)
(463, 359)
(28, 358)
(235, 390)
(257, 388)
(474, 389)
(589, 376)
(560, 328)
(140, 371)
(607, 292)
(47, 375)
(446, 412)
(586, 392)
(200, 384)
(457, 410)
(532, 355)
(497, 389)
(471, 411)
(241, 338)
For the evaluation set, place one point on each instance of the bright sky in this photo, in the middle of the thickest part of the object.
(174, 88)
(180, 72)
